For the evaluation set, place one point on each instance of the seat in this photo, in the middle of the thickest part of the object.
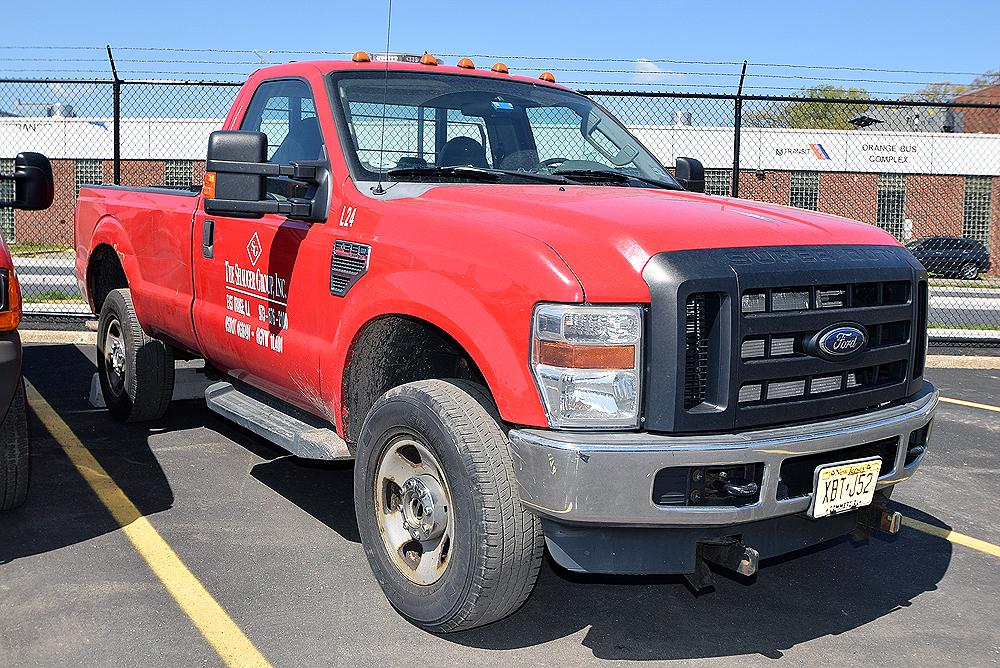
(305, 143)
(462, 151)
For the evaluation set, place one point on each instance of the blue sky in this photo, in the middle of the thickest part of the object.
(892, 35)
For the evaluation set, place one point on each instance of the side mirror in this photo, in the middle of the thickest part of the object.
(690, 173)
(33, 186)
(236, 173)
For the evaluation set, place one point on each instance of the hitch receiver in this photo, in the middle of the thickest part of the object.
(733, 555)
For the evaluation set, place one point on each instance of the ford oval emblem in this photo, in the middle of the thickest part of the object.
(841, 341)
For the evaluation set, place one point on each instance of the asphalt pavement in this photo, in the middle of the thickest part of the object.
(274, 542)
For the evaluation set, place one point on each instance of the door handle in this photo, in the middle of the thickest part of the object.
(208, 239)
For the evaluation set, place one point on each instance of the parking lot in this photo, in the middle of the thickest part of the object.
(235, 551)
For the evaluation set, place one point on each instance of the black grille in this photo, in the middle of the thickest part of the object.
(779, 366)
(734, 334)
(695, 350)
(348, 263)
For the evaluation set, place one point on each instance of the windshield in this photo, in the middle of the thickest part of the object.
(459, 128)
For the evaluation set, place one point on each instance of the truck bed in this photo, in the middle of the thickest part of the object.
(158, 224)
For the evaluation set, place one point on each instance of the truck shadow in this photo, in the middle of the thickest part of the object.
(821, 591)
(61, 509)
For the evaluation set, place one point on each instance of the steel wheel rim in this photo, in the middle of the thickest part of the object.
(969, 271)
(114, 357)
(413, 509)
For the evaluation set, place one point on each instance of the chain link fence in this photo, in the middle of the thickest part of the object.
(929, 174)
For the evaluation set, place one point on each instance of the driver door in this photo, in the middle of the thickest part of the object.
(253, 276)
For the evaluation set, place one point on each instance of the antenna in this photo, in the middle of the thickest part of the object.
(378, 189)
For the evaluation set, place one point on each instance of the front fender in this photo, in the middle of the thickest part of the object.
(485, 311)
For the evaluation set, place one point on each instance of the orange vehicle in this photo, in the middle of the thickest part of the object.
(33, 189)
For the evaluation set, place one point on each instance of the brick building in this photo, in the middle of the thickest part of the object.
(982, 120)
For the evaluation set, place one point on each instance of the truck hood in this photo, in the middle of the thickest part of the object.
(607, 234)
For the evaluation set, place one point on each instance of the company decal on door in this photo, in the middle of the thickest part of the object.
(258, 301)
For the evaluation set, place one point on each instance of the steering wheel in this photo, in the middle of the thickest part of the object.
(552, 162)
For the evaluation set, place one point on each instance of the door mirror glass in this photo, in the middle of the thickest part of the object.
(33, 186)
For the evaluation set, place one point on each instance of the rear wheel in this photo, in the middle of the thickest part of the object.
(969, 271)
(136, 370)
(438, 511)
(15, 453)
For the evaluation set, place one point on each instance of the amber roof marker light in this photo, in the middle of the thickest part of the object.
(428, 59)
(361, 57)
(500, 68)
(547, 77)
(467, 64)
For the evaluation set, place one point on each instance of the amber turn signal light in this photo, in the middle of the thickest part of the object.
(208, 187)
(570, 356)
(500, 68)
(547, 77)
(11, 318)
(361, 57)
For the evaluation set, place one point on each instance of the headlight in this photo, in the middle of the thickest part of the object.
(586, 361)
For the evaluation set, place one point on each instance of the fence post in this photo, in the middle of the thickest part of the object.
(737, 129)
(116, 92)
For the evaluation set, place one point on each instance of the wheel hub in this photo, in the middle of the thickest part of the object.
(425, 511)
(117, 357)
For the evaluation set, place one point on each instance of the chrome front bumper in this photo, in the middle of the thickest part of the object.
(607, 478)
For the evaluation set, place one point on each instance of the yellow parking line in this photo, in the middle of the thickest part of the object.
(953, 536)
(971, 404)
(208, 616)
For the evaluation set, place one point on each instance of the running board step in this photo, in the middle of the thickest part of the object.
(294, 430)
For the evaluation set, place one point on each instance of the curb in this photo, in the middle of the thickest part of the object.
(56, 336)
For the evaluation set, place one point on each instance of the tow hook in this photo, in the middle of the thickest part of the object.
(733, 555)
(876, 517)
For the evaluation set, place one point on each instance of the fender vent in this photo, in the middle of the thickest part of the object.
(348, 263)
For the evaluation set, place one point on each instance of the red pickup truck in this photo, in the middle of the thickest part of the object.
(526, 331)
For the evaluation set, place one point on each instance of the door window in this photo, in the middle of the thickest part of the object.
(285, 111)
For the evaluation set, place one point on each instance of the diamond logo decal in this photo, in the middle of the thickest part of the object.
(254, 249)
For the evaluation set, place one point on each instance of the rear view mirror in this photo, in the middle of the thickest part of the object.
(691, 174)
(33, 186)
(236, 175)
(231, 187)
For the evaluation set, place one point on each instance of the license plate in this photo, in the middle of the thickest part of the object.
(844, 486)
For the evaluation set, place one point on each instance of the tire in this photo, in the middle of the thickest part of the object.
(136, 370)
(15, 453)
(495, 547)
(969, 271)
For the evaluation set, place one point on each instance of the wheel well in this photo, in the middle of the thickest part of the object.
(104, 274)
(394, 350)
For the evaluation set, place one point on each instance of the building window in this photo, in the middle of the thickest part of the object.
(977, 210)
(719, 182)
(178, 173)
(891, 211)
(88, 173)
(7, 193)
(804, 192)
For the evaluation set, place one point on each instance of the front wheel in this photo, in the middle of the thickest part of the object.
(969, 271)
(15, 453)
(438, 510)
(136, 370)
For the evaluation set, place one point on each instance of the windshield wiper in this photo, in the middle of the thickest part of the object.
(484, 174)
(611, 176)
